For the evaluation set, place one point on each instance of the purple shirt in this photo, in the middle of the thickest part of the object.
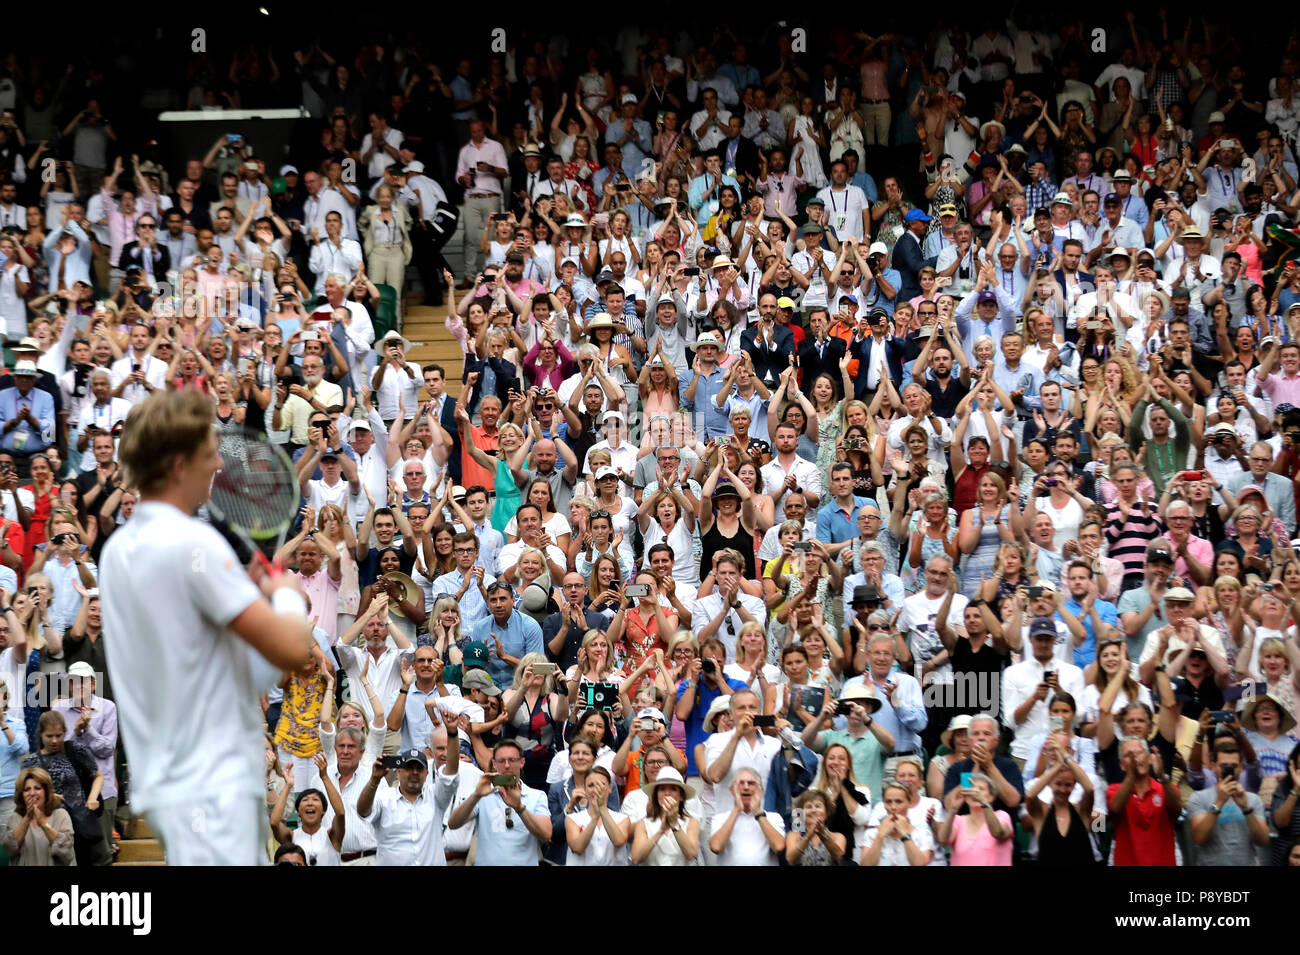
(100, 737)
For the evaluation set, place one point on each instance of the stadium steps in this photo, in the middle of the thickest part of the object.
(432, 343)
(141, 849)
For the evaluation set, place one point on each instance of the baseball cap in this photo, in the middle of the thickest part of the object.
(1042, 626)
(479, 680)
(81, 668)
(986, 296)
(947, 209)
(475, 656)
(361, 424)
(288, 169)
(606, 471)
(1160, 553)
(628, 98)
(1112, 199)
(916, 215)
(785, 302)
(613, 414)
(878, 248)
(407, 757)
(651, 713)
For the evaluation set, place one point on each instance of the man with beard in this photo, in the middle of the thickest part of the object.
(408, 818)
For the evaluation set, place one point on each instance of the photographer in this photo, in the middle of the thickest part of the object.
(1227, 822)
(867, 741)
(1027, 685)
(408, 819)
(704, 683)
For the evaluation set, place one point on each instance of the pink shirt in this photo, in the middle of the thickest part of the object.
(323, 592)
(980, 849)
(1282, 389)
(1197, 547)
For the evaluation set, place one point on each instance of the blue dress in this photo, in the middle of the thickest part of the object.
(981, 560)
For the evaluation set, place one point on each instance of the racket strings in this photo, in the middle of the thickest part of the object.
(256, 491)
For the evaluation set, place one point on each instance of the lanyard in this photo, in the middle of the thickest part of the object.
(834, 207)
(1012, 275)
(1228, 182)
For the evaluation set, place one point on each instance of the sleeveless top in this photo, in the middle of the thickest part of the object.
(816, 854)
(317, 846)
(534, 729)
(715, 540)
(1073, 848)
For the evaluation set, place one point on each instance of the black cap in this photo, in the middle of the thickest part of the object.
(413, 756)
(866, 593)
(1160, 553)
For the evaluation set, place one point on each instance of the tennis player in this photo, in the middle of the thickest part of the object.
(183, 612)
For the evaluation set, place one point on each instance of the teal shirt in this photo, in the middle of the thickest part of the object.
(867, 754)
(508, 497)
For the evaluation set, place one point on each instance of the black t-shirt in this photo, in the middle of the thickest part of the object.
(986, 664)
(944, 401)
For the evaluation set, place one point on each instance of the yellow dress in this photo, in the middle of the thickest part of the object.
(299, 723)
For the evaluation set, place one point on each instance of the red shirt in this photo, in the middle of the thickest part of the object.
(11, 532)
(1144, 833)
(40, 514)
(471, 472)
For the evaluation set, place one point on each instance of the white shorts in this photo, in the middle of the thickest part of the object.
(216, 831)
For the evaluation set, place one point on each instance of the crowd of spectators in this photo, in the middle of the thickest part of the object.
(884, 455)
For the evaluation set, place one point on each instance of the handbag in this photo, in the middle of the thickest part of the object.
(85, 825)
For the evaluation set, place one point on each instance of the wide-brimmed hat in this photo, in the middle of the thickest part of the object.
(574, 220)
(1286, 719)
(721, 262)
(605, 320)
(720, 705)
(668, 776)
(959, 722)
(993, 124)
(861, 693)
(1191, 232)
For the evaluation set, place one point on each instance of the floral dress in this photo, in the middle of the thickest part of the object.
(891, 227)
(913, 578)
(828, 432)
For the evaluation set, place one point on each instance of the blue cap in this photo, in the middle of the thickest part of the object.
(1112, 198)
(916, 215)
(850, 299)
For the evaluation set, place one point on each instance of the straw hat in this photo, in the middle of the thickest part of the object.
(605, 320)
(668, 776)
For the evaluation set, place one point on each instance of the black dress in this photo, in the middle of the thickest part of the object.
(1072, 849)
(714, 541)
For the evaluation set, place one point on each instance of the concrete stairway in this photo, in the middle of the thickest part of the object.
(424, 325)
(141, 848)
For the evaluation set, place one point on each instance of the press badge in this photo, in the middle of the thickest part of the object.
(20, 439)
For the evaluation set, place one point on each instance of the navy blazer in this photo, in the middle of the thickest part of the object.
(908, 259)
(895, 350)
(448, 420)
(769, 363)
(810, 365)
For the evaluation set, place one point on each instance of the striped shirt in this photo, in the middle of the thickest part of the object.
(1127, 540)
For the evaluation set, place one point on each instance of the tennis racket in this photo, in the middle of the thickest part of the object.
(256, 495)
